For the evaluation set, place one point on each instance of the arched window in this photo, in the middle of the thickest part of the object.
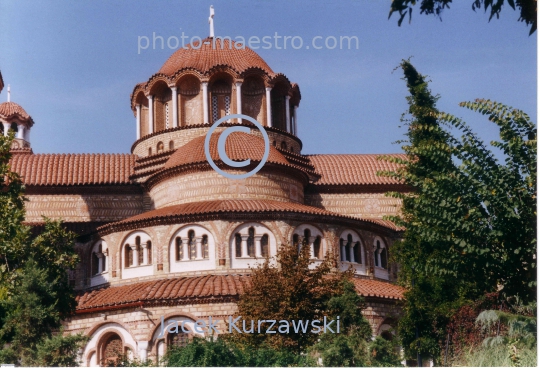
(192, 245)
(317, 247)
(128, 256)
(149, 151)
(205, 247)
(160, 148)
(357, 252)
(99, 258)
(311, 237)
(189, 100)
(238, 245)
(350, 247)
(95, 264)
(178, 340)
(171, 145)
(112, 350)
(249, 243)
(221, 99)
(284, 145)
(252, 97)
(380, 254)
(264, 245)
(179, 249)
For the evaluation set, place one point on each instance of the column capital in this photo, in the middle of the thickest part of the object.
(244, 237)
(174, 88)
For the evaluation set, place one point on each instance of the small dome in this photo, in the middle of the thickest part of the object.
(207, 56)
(239, 147)
(11, 109)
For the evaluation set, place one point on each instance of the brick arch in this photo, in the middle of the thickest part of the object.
(150, 335)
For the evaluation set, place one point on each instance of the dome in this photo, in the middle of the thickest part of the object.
(11, 109)
(207, 56)
(239, 147)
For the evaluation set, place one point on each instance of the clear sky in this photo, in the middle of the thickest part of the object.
(73, 64)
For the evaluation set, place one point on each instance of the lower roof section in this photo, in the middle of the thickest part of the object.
(198, 289)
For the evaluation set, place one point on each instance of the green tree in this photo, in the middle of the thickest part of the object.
(291, 291)
(34, 288)
(470, 220)
(527, 9)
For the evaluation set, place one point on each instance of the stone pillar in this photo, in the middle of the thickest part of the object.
(311, 247)
(198, 248)
(351, 252)
(105, 260)
(239, 100)
(268, 107)
(138, 107)
(6, 129)
(150, 114)
(244, 246)
(258, 249)
(143, 350)
(144, 249)
(205, 102)
(100, 262)
(135, 255)
(174, 106)
(288, 126)
(295, 112)
(20, 132)
(185, 249)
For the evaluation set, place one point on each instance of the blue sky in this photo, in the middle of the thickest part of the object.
(73, 64)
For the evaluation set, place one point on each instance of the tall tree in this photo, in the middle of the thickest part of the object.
(35, 294)
(527, 9)
(470, 220)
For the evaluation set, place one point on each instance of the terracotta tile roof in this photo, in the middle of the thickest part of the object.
(73, 169)
(172, 290)
(239, 146)
(378, 289)
(352, 169)
(205, 57)
(11, 109)
(180, 212)
(199, 288)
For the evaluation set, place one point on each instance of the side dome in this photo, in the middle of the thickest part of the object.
(211, 53)
(10, 110)
(238, 146)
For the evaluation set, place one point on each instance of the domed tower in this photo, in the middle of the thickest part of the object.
(204, 82)
(14, 117)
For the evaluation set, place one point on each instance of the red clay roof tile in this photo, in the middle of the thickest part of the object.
(10, 109)
(209, 55)
(353, 169)
(201, 287)
(73, 169)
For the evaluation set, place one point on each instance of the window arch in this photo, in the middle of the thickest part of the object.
(111, 349)
(220, 91)
(99, 259)
(192, 248)
(249, 242)
(351, 248)
(137, 250)
(380, 253)
(160, 147)
(189, 100)
(171, 145)
(309, 235)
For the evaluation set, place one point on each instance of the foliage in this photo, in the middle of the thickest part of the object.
(527, 9)
(522, 330)
(35, 294)
(383, 353)
(496, 356)
(226, 353)
(470, 220)
(60, 351)
(292, 291)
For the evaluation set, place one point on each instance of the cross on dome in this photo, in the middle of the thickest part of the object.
(211, 21)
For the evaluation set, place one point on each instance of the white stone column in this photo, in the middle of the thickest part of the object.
(239, 100)
(198, 247)
(244, 246)
(288, 126)
(205, 102)
(144, 249)
(135, 255)
(100, 262)
(150, 114)
(268, 107)
(342, 252)
(295, 112)
(258, 249)
(143, 350)
(185, 249)
(105, 262)
(351, 252)
(311, 241)
(138, 107)
(20, 132)
(174, 106)
(27, 131)
(6, 129)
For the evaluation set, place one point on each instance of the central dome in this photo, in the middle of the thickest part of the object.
(211, 53)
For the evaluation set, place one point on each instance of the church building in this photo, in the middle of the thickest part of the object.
(161, 234)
